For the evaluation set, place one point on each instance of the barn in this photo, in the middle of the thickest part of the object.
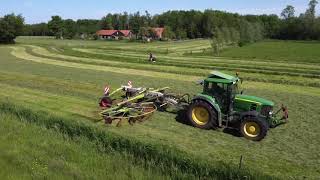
(114, 34)
(158, 32)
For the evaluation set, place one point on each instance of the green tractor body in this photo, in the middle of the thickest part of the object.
(222, 105)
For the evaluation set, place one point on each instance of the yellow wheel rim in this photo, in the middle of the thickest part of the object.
(251, 129)
(200, 115)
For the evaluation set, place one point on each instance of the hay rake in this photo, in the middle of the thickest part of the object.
(136, 104)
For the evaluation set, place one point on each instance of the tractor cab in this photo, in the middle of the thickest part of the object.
(223, 88)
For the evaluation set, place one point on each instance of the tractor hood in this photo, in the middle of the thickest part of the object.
(253, 99)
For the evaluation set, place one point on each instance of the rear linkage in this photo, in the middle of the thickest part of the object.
(275, 121)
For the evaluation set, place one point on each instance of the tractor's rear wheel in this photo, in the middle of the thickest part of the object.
(202, 115)
(253, 129)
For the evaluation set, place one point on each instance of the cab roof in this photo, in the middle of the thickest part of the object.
(219, 77)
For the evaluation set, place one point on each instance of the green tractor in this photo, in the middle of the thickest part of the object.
(222, 105)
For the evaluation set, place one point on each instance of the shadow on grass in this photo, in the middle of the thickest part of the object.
(182, 118)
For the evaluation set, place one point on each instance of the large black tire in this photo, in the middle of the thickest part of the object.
(253, 129)
(201, 115)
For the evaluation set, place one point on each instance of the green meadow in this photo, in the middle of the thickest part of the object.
(49, 91)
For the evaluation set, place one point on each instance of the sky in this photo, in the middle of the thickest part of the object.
(36, 11)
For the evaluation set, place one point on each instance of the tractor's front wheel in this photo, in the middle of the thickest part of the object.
(202, 115)
(253, 129)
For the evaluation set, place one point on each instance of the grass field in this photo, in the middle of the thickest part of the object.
(65, 78)
(32, 152)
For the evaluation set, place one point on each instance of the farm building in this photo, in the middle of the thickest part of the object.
(114, 34)
(158, 32)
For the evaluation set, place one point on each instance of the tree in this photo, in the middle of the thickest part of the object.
(309, 21)
(115, 19)
(143, 33)
(258, 33)
(124, 21)
(217, 41)
(311, 11)
(168, 33)
(247, 33)
(87, 27)
(288, 12)
(226, 35)
(197, 24)
(69, 28)
(317, 29)
(36, 30)
(148, 18)
(10, 27)
(56, 26)
(106, 22)
(134, 22)
(181, 33)
(235, 36)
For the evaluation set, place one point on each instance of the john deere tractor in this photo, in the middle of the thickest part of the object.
(222, 105)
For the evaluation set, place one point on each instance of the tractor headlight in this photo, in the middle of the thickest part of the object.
(270, 113)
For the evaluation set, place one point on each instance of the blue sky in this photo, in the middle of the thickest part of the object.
(36, 11)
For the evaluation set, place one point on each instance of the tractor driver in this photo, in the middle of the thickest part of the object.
(152, 58)
(219, 93)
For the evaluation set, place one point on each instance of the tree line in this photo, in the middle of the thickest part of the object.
(224, 28)
(10, 27)
(306, 26)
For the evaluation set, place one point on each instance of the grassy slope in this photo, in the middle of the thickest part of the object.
(31, 152)
(297, 51)
(290, 154)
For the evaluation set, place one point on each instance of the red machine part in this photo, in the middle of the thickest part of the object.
(105, 102)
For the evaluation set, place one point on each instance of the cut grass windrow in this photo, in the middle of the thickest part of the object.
(20, 52)
(198, 59)
(167, 160)
(156, 69)
(114, 60)
(247, 66)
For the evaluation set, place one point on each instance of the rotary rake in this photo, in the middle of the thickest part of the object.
(137, 104)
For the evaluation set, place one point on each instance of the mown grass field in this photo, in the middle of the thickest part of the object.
(64, 80)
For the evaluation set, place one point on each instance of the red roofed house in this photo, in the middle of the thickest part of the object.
(158, 32)
(114, 34)
(126, 33)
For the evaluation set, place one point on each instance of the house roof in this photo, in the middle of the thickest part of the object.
(106, 32)
(125, 32)
(158, 31)
(112, 32)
